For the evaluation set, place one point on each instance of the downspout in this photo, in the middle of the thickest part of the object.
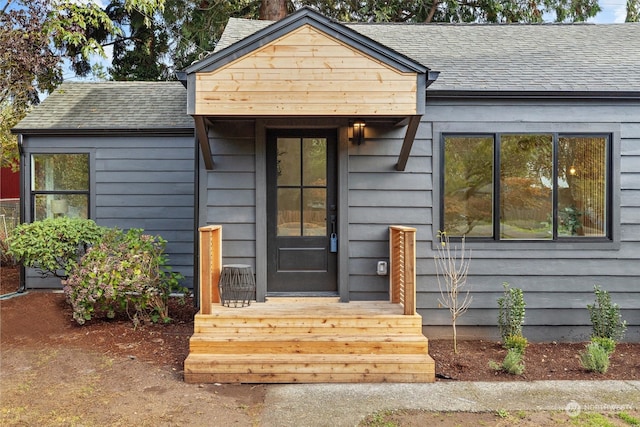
(23, 280)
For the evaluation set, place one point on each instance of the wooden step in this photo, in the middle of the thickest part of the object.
(309, 340)
(211, 323)
(309, 344)
(299, 368)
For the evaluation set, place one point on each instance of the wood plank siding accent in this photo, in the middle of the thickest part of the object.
(402, 271)
(306, 73)
(210, 266)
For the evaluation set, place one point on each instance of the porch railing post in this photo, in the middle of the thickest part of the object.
(210, 266)
(402, 256)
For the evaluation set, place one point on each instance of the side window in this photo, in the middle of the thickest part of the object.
(60, 185)
(527, 186)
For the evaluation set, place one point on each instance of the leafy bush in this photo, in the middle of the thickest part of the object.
(607, 343)
(595, 358)
(516, 342)
(53, 245)
(6, 259)
(512, 363)
(127, 272)
(511, 309)
(606, 320)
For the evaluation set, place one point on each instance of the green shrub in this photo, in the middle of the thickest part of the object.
(607, 343)
(606, 320)
(511, 308)
(54, 245)
(595, 358)
(516, 342)
(6, 259)
(126, 272)
(512, 363)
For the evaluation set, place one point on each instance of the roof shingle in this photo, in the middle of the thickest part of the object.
(112, 105)
(506, 57)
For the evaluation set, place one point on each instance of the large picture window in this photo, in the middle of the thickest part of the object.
(526, 186)
(59, 185)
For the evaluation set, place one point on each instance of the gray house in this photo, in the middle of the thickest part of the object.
(305, 139)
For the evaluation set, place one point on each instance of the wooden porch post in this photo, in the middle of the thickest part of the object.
(210, 266)
(402, 277)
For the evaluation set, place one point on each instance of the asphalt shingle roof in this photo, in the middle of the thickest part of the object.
(469, 57)
(112, 105)
(506, 57)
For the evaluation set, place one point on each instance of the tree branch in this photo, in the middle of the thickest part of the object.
(432, 10)
(6, 6)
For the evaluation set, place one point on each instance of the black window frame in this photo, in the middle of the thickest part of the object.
(495, 216)
(34, 193)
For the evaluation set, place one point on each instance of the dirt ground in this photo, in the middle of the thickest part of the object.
(54, 372)
(106, 373)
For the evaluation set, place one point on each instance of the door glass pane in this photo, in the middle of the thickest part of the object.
(314, 161)
(468, 182)
(288, 161)
(289, 220)
(55, 172)
(314, 214)
(582, 188)
(59, 205)
(526, 182)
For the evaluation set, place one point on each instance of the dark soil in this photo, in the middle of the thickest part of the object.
(44, 319)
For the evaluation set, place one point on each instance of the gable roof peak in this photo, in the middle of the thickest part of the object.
(301, 17)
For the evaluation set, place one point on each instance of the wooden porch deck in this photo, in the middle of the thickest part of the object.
(311, 340)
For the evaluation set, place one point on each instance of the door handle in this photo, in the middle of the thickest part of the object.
(333, 238)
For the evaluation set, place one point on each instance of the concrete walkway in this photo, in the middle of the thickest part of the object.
(335, 405)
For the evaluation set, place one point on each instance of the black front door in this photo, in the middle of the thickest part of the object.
(301, 211)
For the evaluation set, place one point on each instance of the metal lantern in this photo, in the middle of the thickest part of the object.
(237, 285)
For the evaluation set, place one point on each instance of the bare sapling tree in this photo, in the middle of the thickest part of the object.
(452, 266)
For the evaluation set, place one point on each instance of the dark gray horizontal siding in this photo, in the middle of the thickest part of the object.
(146, 200)
(145, 212)
(529, 111)
(158, 177)
(381, 164)
(389, 181)
(373, 198)
(151, 225)
(146, 188)
(145, 165)
(557, 280)
(148, 183)
(140, 181)
(543, 299)
(230, 190)
(380, 196)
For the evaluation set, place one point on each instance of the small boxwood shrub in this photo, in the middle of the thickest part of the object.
(606, 320)
(513, 363)
(595, 357)
(516, 342)
(126, 272)
(511, 310)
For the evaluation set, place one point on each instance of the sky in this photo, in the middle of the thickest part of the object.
(613, 11)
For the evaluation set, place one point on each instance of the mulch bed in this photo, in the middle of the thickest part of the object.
(41, 318)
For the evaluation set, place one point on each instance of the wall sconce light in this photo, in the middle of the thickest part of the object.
(572, 170)
(358, 131)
